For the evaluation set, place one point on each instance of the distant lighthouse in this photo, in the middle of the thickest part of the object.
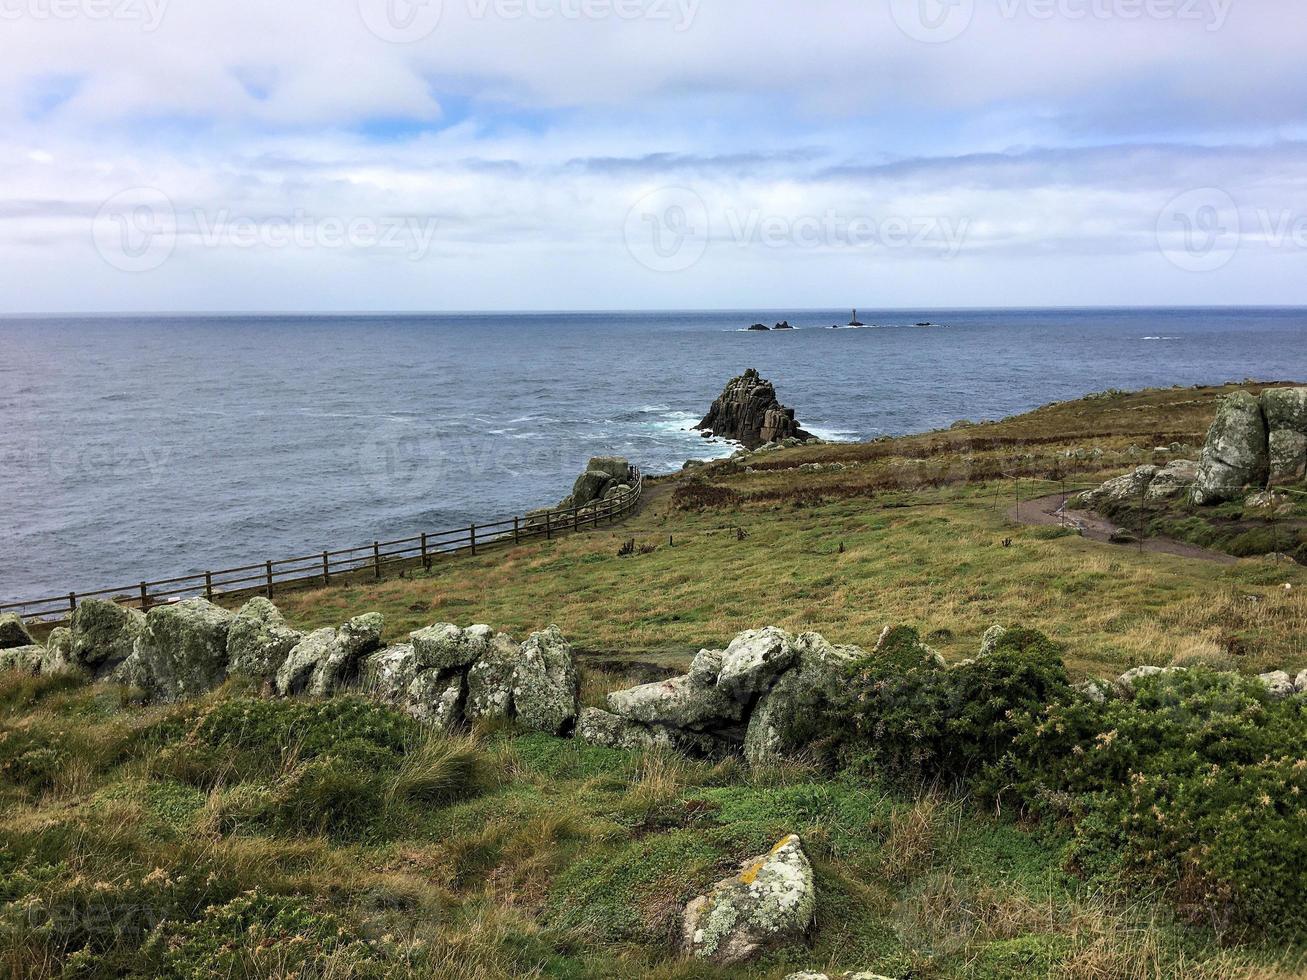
(855, 322)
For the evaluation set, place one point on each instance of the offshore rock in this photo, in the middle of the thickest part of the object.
(749, 412)
(770, 902)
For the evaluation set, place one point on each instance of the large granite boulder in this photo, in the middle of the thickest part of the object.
(13, 632)
(753, 660)
(388, 673)
(327, 659)
(779, 723)
(1172, 480)
(436, 698)
(602, 475)
(25, 659)
(490, 680)
(749, 412)
(446, 646)
(546, 691)
(259, 640)
(183, 649)
(104, 634)
(770, 902)
(598, 727)
(1286, 423)
(1126, 489)
(677, 703)
(1235, 454)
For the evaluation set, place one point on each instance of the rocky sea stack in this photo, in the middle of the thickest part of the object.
(749, 412)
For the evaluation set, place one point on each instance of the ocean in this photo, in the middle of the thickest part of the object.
(142, 447)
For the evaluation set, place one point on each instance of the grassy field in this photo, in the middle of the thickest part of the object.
(909, 531)
(241, 837)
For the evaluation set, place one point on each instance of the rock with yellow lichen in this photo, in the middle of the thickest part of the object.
(769, 903)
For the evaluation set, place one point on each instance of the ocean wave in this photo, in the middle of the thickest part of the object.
(1159, 338)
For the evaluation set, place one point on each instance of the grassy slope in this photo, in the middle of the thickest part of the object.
(538, 856)
(921, 520)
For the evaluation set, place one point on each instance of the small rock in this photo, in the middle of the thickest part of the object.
(770, 902)
(25, 659)
(989, 642)
(1126, 682)
(436, 699)
(445, 646)
(490, 680)
(58, 651)
(1279, 683)
(388, 673)
(259, 640)
(706, 667)
(1095, 691)
(1300, 683)
(597, 727)
(678, 702)
(104, 634)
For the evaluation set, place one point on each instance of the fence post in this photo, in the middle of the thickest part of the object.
(145, 598)
(426, 559)
(548, 530)
(267, 568)
(376, 559)
(72, 602)
(326, 569)
(517, 531)
(472, 538)
(208, 586)
(576, 518)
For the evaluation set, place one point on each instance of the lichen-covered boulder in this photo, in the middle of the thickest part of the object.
(1279, 683)
(770, 902)
(436, 698)
(1172, 480)
(1095, 691)
(340, 658)
(388, 673)
(781, 721)
(13, 632)
(1286, 423)
(678, 702)
(595, 726)
(58, 651)
(104, 634)
(1120, 490)
(546, 691)
(615, 467)
(25, 659)
(259, 640)
(899, 648)
(183, 648)
(1125, 684)
(1300, 682)
(133, 673)
(490, 680)
(706, 667)
(753, 660)
(1235, 454)
(295, 671)
(990, 641)
(445, 646)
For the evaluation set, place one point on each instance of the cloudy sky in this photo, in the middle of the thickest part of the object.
(624, 154)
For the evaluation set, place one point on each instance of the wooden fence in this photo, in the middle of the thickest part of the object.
(322, 567)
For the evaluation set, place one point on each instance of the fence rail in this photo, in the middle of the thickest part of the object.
(378, 557)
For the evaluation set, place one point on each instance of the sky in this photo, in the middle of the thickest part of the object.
(360, 155)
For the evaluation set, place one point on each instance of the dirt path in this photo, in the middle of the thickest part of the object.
(1051, 511)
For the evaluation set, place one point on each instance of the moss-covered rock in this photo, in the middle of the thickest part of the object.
(490, 680)
(183, 648)
(259, 640)
(770, 902)
(546, 692)
(436, 698)
(445, 646)
(388, 673)
(13, 632)
(1235, 454)
(25, 659)
(678, 702)
(104, 634)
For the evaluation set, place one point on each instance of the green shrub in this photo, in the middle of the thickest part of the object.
(438, 772)
(925, 724)
(328, 795)
(1196, 785)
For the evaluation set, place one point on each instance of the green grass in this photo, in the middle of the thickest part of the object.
(519, 855)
